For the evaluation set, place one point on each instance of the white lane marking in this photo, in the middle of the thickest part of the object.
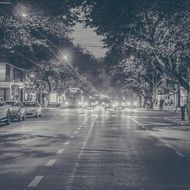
(79, 155)
(166, 144)
(72, 137)
(178, 122)
(35, 181)
(51, 162)
(134, 120)
(75, 132)
(78, 128)
(175, 150)
(67, 143)
(60, 151)
(179, 153)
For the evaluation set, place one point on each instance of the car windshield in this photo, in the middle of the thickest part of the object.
(30, 104)
(15, 104)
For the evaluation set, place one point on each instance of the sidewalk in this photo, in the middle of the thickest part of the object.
(173, 116)
(176, 117)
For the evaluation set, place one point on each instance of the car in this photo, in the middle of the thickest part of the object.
(17, 110)
(5, 112)
(33, 109)
(110, 105)
(90, 103)
(120, 105)
(132, 104)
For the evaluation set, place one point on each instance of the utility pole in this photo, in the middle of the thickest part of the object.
(188, 97)
(154, 87)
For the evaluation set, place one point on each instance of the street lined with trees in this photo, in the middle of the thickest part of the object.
(72, 121)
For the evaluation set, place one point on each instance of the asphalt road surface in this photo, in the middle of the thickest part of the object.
(91, 150)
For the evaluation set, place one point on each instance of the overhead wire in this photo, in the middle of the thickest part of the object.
(76, 75)
(30, 59)
(52, 45)
(62, 54)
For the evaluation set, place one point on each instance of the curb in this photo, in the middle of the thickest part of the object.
(182, 123)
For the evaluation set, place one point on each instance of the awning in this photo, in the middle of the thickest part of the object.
(9, 84)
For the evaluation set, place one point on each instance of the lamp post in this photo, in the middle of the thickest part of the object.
(188, 96)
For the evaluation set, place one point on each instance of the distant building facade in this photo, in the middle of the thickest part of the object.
(11, 82)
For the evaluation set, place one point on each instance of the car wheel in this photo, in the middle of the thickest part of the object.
(8, 121)
(40, 115)
(24, 118)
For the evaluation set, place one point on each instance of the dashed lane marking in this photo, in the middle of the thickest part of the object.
(60, 151)
(80, 154)
(67, 143)
(51, 162)
(72, 137)
(35, 181)
(75, 132)
(166, 144)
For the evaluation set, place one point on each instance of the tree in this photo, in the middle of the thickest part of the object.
(156, 29)
(35, 34)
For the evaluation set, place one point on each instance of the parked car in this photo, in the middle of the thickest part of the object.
(18, 110)
(5, 112)
(33, 108)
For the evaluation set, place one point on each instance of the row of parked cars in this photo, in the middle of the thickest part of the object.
(16, 110)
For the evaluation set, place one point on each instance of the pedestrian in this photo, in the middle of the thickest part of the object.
(161, 104)
(148, 104)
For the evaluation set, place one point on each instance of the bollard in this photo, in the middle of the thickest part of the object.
(183, 113)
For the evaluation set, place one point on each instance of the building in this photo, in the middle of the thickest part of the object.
(11, 82)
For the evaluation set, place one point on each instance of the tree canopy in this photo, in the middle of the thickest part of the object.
(157, 30)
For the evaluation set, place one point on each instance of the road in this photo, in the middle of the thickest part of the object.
(94, 150)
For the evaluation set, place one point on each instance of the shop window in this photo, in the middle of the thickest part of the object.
(2, 72)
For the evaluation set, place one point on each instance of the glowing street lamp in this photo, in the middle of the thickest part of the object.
(32, 76)
(24, 15)
(132, 57)
(65, 57)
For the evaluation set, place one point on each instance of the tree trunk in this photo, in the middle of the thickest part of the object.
(188, 108)
(188, 98)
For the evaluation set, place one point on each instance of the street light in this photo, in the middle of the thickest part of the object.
(65, 57)
(132, 57)
(24, 15)
(32, 76)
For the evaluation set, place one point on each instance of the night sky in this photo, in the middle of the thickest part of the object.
(87, 38)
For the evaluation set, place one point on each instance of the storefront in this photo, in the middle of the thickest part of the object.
(11, 82)
(12, 90)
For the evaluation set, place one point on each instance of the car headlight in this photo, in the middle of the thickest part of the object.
(86, 103)
(80, 103)
(128, 103)
(134, 103)
(66, 103)
(123, 104)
